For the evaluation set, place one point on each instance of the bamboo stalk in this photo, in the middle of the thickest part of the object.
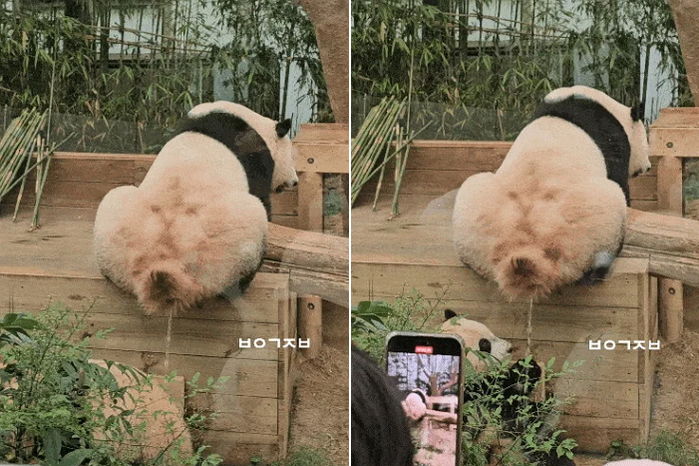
(16, 156)
(381, 174)
(24, 179)
(372, 140)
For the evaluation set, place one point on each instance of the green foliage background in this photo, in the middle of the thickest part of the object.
(57, 55)
(487, 86)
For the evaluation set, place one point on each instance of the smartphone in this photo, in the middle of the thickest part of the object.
(426, 368)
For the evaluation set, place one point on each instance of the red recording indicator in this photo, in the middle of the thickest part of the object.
(424, 349)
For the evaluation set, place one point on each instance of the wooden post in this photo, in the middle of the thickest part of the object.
(671, 309)
(322, 148)
(310, 207)
(670, 299)
(310, 321)
(311, 218)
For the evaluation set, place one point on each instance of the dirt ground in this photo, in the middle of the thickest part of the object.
(320, 415)
(320, 418)
(676, 400)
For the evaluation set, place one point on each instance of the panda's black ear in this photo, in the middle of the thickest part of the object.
(638, 111)
(448, 314)
(283, 127)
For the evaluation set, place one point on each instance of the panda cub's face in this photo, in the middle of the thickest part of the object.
(476, 336)
(275, 135)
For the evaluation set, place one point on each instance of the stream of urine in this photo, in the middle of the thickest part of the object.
(529, 326)
(168, 338)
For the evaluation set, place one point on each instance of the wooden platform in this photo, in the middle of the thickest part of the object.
(612, 388)
(82, 180)
(56, 264)
(435, 167)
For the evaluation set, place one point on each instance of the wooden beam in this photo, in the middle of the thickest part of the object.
(674, 142)
(670, 243)
(322, 158)
(317, 264)
(307, 249)
(670, 309)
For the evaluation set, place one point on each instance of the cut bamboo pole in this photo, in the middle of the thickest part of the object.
(16, 153)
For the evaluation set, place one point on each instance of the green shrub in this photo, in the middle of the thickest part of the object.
(59, 407)
(372, 321)
(666, 446)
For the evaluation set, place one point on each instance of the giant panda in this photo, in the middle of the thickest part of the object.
(196, 225)
(380, 432)
(554, 211)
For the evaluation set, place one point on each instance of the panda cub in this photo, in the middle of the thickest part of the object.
(507, 392)
(476, 337)
(196, 225)
(555, 210)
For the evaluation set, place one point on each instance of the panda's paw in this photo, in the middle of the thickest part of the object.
(600, 269)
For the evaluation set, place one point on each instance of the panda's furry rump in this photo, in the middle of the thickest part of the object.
(554, 212)
(539, 222)
(190, 231)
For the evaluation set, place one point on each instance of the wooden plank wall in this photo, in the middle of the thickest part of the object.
(82, 180)
(437, 167)
(78, 179)
(612, 388)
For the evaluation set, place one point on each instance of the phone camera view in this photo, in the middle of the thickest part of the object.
(430, 387)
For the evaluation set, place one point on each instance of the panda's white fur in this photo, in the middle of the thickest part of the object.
(471, 333)
(191, 229)
(549, 214)
(414, 406)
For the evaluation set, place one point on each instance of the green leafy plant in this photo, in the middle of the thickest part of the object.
(372, 321)
(509, 428)
(666, 446)
(118, 76)
(60, 407)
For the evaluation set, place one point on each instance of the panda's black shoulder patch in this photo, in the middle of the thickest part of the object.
(604, 129)
(243, 141)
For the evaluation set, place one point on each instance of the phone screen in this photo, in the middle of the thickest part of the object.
(427, 371)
